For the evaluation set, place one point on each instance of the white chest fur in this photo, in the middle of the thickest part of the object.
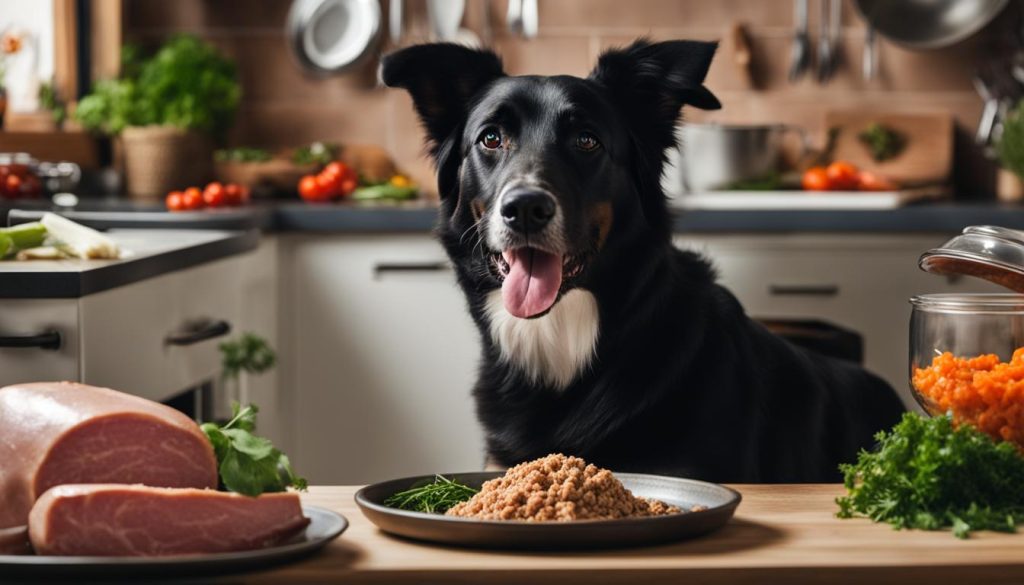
(552, 349)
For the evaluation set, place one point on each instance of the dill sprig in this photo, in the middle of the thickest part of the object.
(434, 497)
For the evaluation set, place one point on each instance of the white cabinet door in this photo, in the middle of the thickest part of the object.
(382, 356)
(21, 318)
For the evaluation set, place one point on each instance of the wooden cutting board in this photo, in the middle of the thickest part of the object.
(781, 534)
(927, 156)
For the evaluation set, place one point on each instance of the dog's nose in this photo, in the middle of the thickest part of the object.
(527, 211)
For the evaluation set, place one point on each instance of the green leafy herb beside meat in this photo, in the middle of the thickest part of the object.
(928, 474)
(249, 464)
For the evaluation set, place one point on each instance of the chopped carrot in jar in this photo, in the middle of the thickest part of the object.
(982, 391)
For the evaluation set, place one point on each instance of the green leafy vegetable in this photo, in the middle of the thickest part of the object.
(883, 142)
(318, 153)
(250, 353)
(1010, 147)
(248, 464)
(241, 154)
(384, 191)
(435, 497)
(928, 474)
(186, 84)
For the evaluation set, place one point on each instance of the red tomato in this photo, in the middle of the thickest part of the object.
(335, 169)
(232, 194)
(244, 194)
(12, 186)
(213, 195)
(842, 176)
(868, 181)
(329, 185)
(174, 201)
(192, 199)
(309, 189)
(31, 186)
(815, 179)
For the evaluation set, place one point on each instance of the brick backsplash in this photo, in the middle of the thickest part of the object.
(284, 106)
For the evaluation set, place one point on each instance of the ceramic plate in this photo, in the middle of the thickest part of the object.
(720, 503)
(324, 526)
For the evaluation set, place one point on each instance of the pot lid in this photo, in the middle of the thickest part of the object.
(993, 253)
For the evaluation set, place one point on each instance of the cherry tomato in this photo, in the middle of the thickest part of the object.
(842, 176)
(868, 181)
(12, 186)
(329, 185)
(174, 201)
(192, 199)
(309, 189)
(348, 183)
(232, 194)
(815, 179)
(335, 169)
(244, 194)
(213, 195)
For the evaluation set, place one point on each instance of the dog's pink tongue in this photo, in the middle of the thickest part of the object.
(532, 283)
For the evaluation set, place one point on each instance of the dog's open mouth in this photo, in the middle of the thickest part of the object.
(531, 279)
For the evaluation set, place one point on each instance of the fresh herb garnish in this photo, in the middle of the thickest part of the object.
(318, 153)
(928, 474)
(435, 497)
(883, 142)
(248, 464)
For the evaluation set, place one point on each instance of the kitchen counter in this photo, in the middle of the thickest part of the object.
(149, 253)
(781, 534)
(421, 216)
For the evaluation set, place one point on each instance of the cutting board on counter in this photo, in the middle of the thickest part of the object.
(927, 156)
(808, 200)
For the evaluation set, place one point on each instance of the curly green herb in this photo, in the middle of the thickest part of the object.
(929, 475)
(435, 497)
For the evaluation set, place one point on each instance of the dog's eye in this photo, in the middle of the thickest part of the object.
(491, 139)
(587, 142)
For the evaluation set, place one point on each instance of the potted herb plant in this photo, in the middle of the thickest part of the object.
(1010, 149)
(168, 109)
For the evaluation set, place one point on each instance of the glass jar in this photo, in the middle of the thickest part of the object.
(959, 348)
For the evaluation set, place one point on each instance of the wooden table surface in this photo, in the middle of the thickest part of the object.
(781, 534)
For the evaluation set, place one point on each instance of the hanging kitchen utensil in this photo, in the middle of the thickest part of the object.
(928, 24)
(801, 53)
(830, 13)
(530, 19)
(332, 36)
(395, 9)
(514, 17)
(445, 17)
(869, 64)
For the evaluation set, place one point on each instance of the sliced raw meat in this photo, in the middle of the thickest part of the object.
(53, 433)
(136, 520)
(14, 541)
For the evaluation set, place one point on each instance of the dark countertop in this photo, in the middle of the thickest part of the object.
(149, 253)
(420, 216)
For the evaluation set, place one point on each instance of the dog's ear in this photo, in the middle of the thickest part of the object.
(658, 78)
(649, 83)
(442, 78)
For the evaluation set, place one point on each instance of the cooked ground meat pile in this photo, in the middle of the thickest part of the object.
(557, 488)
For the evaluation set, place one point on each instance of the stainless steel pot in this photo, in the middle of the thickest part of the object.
(715, 156)
(928, 24)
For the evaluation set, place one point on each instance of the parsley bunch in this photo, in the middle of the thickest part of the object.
(248, 464)
(928, 474)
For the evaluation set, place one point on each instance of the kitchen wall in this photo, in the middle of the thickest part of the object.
(284, 107)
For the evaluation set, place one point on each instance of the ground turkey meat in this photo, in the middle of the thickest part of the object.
(557, 488)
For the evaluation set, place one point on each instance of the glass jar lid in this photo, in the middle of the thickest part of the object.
(985, 303)
(993, 253)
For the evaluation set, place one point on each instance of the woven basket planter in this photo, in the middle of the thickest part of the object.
(158, 159)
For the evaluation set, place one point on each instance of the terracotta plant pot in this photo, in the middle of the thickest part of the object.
(158, 159)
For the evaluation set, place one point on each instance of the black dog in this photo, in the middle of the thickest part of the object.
(600, 339)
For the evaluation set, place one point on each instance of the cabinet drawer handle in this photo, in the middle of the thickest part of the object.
(45, 340)
(199, 331)
(382, 268)
(805, 290)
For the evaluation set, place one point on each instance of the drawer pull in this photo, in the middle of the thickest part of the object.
(45, 340)
(383, 268)
(199, 331)
(805, 290)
